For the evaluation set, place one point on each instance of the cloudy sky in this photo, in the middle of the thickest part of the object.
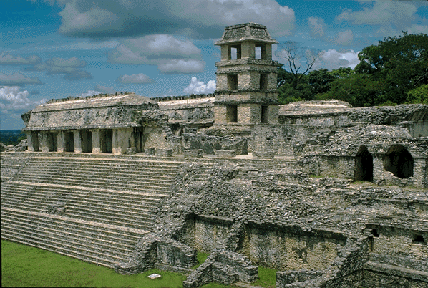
(59, 48)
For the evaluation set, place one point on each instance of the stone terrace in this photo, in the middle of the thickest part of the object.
(90, 208)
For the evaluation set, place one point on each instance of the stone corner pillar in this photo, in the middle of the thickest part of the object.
(44, 141)
(77, 142)
(116, 141)
(96, 147)
(60, 142)
(30, 147)
(273, 114)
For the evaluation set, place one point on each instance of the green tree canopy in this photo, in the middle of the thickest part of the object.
(400, 62)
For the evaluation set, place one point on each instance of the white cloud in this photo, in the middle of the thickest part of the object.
(18, 79)
(182, 66)
(317, 26)
(391, 16)
(197, 87)
(8, 59)
(12, 100)
(169, 53)
(69, 67)
(194, 18)
(344, 38)
(134, 79)
(333, 59)
(417, 29)
(105, 89)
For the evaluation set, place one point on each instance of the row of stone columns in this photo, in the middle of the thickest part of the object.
(100, 141)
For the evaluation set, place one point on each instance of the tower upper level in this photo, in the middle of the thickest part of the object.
(246, 41)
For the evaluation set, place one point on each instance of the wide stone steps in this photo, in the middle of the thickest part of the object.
(117, 208)
(86, 240)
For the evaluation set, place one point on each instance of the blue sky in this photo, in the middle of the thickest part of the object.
(58, 48)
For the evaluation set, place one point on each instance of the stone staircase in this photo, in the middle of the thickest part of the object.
(92, 209)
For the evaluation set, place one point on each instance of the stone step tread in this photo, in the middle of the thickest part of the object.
(99, 189)
(396, 269)
(70, 194)
(83, 228)
(83, 183)
(106, 159)
(71, 220)
(60, 250)
(24, 228)
(79, 240)
(41, 197)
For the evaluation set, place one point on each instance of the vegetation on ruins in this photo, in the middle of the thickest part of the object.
(393, 72)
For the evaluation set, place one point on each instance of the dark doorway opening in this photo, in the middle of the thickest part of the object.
(363, 165)
(139, 140)
(69, 141)
(86, 137)
(35, 141)
(106, 141)
(264, 114)
(232, 82)
(52, 142)
(232, 113)
(263, 82)
(399, 161)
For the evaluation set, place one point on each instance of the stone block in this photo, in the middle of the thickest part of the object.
(225, 153)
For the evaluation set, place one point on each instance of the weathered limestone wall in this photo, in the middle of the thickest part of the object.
(206, 233)
(284, 250)
(155, 138)
(121, 140)
(401, 247)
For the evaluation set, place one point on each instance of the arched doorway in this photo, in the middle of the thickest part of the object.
(399, 161)
(363, 165)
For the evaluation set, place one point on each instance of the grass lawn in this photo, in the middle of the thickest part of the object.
(25, 266)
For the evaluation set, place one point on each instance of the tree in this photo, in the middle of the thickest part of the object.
(418, 95)
(320, 80)
(298, 60)
(400, 62)
(358, 89)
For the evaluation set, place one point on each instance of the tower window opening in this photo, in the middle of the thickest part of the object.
(263, 82)
(232, 113)
(232, 82)
(260, 52)
(235, 52)
(264, 114)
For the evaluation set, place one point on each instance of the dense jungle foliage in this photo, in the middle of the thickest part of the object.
(393, 72)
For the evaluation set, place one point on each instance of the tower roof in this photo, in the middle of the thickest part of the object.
(246, 32)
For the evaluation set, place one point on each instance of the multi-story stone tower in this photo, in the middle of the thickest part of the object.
(246, 76)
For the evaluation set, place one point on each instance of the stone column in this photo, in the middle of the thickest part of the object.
(43, 136)
(60, 142)
(29, 142)
(96, 147)
(115, 141)
(77, 142)
(378, 169)
(273, 114)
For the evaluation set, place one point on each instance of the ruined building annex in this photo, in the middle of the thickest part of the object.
(327, 194)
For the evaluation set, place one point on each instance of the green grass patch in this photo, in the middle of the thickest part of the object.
(267, 278)
(201, 259)
(25, 266)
